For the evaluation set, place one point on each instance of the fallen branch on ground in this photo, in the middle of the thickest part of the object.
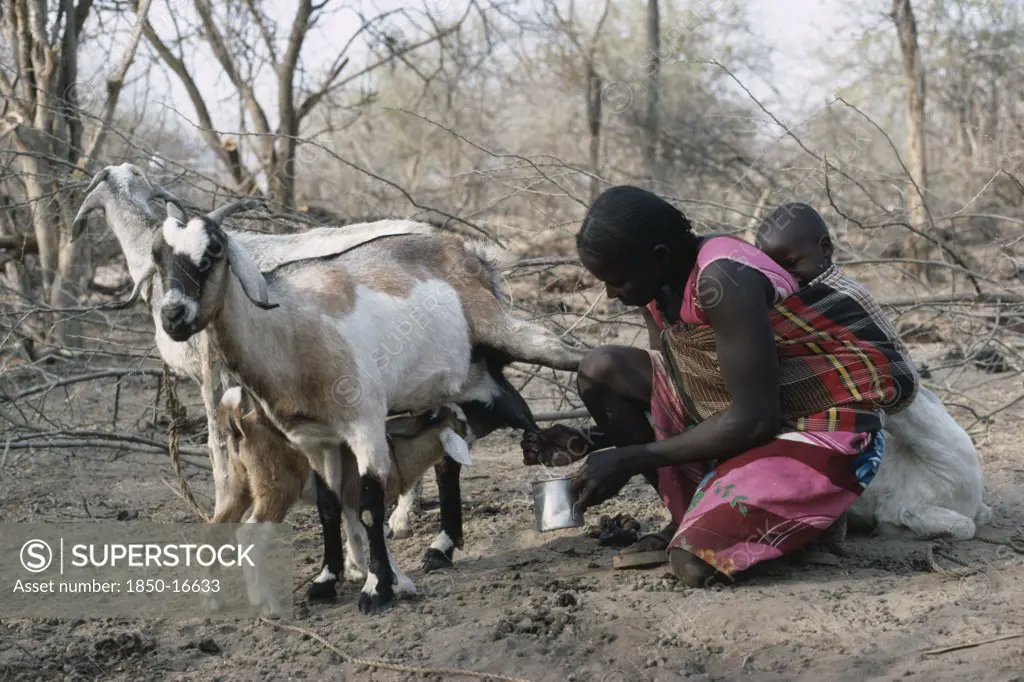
(971, 645)
(388, 665)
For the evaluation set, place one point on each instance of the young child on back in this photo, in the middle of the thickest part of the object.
(796, 237)
(932, 480)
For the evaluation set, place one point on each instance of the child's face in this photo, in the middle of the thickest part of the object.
(804, 260)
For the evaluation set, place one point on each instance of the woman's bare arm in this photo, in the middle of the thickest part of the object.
(735, 299)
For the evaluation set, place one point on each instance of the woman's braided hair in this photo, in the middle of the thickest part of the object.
(625, 223)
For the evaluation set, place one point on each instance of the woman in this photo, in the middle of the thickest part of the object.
(766, 401)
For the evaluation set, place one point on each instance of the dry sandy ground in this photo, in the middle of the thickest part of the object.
(548, 606)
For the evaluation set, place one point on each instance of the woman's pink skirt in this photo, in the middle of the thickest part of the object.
(762, 504)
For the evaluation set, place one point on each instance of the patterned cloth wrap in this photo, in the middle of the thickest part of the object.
(842, 367)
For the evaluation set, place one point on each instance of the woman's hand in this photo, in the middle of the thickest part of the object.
(558, 445)
(603, 475)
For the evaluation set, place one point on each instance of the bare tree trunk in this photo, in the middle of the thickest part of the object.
(47, 129)
(594, 123)
(283, 183)
(914, 246)
(44, 219)
(70, 278)
(651, 125)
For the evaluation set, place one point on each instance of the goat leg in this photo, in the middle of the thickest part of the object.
(400, 521)
(378, 592)
(367, 438)
(439, 554)
(532, 343)
(328, 507)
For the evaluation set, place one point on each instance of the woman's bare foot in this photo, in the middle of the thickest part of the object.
(689, 569)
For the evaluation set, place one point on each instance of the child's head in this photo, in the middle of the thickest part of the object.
(796, 237)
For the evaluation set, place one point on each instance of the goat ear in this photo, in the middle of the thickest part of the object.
(91, 203)
(455, 446)
(248, 273)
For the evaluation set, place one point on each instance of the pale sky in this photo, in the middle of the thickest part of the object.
(794, 28)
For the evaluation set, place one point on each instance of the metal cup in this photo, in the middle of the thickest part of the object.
(554, 506)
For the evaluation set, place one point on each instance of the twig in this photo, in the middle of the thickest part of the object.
(387, 665)
(970, 645)
(955, 298)
(80, 378)
(1006, 406)
(581, 413)
(192, 456)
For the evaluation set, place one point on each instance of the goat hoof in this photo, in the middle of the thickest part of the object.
(378, 602)
(325, 592)
(435, 560)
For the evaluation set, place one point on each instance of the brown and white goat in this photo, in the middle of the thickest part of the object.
(389, 326)
(267, 475)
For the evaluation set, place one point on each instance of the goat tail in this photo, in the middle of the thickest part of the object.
(494, 259)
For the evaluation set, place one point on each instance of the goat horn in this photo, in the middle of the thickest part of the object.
(90, 204)
(175, 210)
(143, 278)
(97, 179)
(218, 215)
(158, 192)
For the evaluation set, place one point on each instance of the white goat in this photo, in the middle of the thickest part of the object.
(122, 193)
(319, 358)
(930, 479)
(267, 476)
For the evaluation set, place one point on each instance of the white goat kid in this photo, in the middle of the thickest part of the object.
(320, 359)
(123, 193)
(930, 479)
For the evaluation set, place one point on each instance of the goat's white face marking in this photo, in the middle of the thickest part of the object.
(173, 297)
(191, 240)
